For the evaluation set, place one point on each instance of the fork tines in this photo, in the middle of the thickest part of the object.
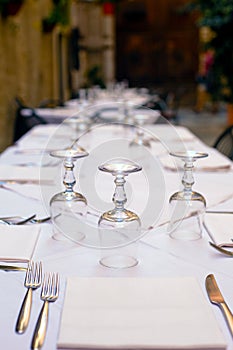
(34, 274)
(49, 293)
(32, 281)
(50, 287)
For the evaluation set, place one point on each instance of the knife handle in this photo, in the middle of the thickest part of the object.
(228, 316)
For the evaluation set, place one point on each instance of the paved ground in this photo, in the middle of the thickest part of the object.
(206, 125)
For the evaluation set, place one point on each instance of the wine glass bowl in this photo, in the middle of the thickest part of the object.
(119, 227)
(187, 206)
(69, 206)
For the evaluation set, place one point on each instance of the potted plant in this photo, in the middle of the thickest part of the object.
(218, 16)
(58, 15)
(93, 76)
(10, 7)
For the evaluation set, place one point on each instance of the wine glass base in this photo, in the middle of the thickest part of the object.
(141, 142)
(57, 236)
(185, 235)
(118, 261)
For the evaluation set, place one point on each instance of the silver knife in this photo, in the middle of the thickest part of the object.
(216, 298)
(219, 211)
(24, 182)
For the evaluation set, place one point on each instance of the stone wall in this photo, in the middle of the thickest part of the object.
(29, 64)
(25, 63)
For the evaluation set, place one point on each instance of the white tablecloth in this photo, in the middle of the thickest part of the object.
(158, 254)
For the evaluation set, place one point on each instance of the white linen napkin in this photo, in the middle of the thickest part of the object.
(219, 227)
(17, 243)
(214, 161)
(12, 172)
(137, 313)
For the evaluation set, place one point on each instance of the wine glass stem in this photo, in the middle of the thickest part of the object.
(188, 179)
(69, 179)
(119, 197)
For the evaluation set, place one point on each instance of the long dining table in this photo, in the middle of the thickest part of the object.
(159, 255)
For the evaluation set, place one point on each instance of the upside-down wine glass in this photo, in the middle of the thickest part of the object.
(187, 206)
(119, 227)
(140, 119)
(67, 208)
(79, 124)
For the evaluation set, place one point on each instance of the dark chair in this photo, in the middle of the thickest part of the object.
(224, 142)
(167, 104)
(25, 119)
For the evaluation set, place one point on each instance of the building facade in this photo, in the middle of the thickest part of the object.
(146, 42)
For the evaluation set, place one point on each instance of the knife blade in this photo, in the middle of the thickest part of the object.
(219, 211)
(25, 182)
(216, 298)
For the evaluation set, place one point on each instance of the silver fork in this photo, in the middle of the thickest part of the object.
(20, 220)
(33, 281)
(15, 221)
(49, 293)
(39, 221)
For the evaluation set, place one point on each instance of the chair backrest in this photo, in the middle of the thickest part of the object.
(167, 104)
(25, 121)
(224, 142)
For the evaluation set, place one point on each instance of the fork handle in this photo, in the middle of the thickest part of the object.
(24, 314)
(41, 327)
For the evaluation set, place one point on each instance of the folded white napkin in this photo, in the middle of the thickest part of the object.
(17, 243)
(11, 172)
(137, 313)
(214, 161)
(219, 227)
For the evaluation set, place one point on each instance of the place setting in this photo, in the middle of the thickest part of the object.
(31, 312)
(121, 308)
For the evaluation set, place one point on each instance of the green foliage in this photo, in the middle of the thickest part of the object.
(218, 16)
(93, 76)
(59, 13)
